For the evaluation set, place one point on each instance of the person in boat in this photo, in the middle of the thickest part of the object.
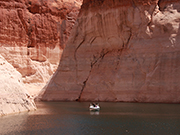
(93, 104)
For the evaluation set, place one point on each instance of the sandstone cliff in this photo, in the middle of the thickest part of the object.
(121, 51)
(13, 96)
(33, 34)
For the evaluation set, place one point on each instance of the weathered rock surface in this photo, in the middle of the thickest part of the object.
(33, 34)
(13, 96)
(121, 51)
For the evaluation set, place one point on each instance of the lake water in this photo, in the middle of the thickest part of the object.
(74, 118)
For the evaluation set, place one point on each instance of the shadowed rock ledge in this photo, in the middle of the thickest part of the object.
(121, 51)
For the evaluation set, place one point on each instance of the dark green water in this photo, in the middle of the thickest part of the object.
(74, 118)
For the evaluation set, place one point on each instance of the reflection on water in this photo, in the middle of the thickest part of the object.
(74, 118)
(94, 112)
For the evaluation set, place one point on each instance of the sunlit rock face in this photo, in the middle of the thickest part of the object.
(33, 34)
(121, 51)
(13, 96)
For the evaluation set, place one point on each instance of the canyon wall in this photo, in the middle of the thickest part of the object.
(33, 34)
(120, 50)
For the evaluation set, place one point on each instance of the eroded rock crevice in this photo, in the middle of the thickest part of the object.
(75, 53)
(93, 63)
(99, 58)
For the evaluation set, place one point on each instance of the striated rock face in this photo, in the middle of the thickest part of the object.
(121, 51)
(33, 34)
(13, 96)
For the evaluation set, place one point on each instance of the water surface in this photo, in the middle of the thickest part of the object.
(74, 118)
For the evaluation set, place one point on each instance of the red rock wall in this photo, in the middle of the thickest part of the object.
(33, 34)
(33, 23)
(121, 51)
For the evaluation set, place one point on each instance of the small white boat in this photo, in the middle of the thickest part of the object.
(94, 107)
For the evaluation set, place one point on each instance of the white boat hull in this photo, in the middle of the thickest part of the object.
(94, 108)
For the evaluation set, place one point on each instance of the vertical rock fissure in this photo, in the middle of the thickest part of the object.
(128, 41)
(151, 19)
(124, 46)
(102, 54)
(158, 3)
(133, 4)
(78, 48)
(76, 53)
(84, 85)
(120, 51)
(23, 23)
(27, 28)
